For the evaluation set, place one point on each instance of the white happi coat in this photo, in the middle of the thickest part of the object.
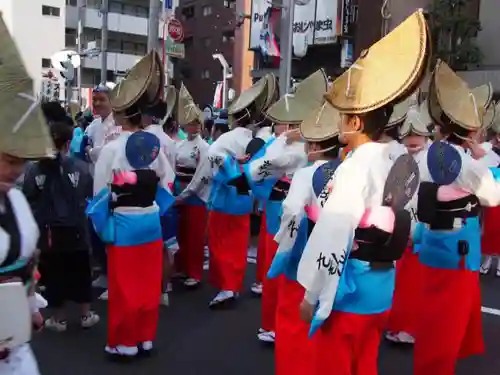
(100, 132)
(357, 184)
(167, 144)
(189, 153)
(232, 144)
(300, 195)
(21, 360)
(279, 159)
(113, 158)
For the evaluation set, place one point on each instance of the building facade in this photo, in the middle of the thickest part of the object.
(209, 28)
(37, 26)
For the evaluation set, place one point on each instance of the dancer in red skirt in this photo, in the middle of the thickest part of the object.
(490, 240)
(414, 134)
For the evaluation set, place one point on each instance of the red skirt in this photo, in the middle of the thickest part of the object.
(406, 302)
(134, 287)
(449, 324)
(261, 250)
(293, 350)
(490, 240)
(348, 344)
(228, 238)
(191, 238)
(270, 287)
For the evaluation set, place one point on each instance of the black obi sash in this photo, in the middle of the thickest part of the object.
(279, 191)
(141, 194)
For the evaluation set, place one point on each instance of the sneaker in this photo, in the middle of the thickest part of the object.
(191, 283)
(101, 282)
(266, 336)
(164, 300)
(104, 296)
(485, 267)
(222, 298)
(256, 288)
(400, 337)
(56, 325)
(122, 351)
(89, 320)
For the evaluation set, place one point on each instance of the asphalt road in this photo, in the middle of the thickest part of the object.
(193, 340)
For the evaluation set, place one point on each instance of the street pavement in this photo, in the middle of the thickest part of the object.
(193, 340)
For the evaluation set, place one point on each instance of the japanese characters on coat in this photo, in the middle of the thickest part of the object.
(358, 184)
(280, 159)
(189, 153)
(229, 145)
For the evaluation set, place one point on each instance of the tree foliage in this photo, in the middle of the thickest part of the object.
(454, 27)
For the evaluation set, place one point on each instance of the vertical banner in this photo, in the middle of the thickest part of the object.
(317, 21)
(347, 18)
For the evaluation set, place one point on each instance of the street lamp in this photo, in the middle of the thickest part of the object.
(226, 74)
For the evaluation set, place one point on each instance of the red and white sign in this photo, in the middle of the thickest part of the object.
(175, 30)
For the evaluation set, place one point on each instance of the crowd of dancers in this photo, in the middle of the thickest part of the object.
(370, 189)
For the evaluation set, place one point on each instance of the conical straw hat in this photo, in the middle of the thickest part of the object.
(144, 82)
(451, 96)
(272, 90)
(417, 121)
(23, 130)
(170, 99)
(496, 119)
(187, 110)
(388, 71)
(399, 113)
(489, 116)
(308, 96)
(321, 124)
(483, 94)
(257, 94)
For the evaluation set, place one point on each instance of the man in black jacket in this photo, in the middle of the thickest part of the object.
(57, 190)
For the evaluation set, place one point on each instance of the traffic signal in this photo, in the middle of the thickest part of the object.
(56, 91)
(68, 71)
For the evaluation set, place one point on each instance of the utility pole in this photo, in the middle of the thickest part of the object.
(81, 14)
(286, 45)
(104, 41)
(154, 24)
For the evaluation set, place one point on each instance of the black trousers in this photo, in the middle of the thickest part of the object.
(67, 276)
(98, 250)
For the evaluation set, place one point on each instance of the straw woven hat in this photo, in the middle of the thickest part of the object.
(417, 121)
(308, 95)
(489, 116)
(258, 94)
(321, 124)
(23, 130)
(483, 94)
(399, 113)
(495, 126)
(170, 99)
(272, 91)
(388, 71)
(187, 110)
(451, 96)
(144, 82)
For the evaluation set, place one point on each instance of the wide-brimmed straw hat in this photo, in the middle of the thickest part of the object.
(495, 125)
(256, 95)
(450, 95)
(489, 116)
(170, 98)
(321, 124)
(272, 91)
(399, 113)
(309, 94)
(387, 72)
(417, 121)
(143, 84)
(23, 130)
(187, 110)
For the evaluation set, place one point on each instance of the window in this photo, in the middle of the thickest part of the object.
(51, 11)
(207, 42)
(228, 36)
(46, 63)
(205, 74)
(128, 47)
(207, 10)
(71, 2)
(188, 13)
(231, 4)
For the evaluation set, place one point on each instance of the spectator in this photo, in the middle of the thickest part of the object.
(57, 190)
